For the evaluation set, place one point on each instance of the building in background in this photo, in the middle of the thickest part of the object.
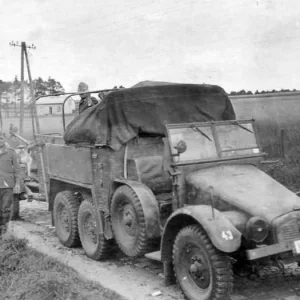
(52, 105)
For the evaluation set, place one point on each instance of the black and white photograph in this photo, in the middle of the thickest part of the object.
(150, 149)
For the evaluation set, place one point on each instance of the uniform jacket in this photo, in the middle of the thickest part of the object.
(87, 102)
(10, 171)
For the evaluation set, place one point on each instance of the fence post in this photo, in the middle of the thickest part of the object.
(282, 142)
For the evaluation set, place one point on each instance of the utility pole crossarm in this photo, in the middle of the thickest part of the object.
(16, 44)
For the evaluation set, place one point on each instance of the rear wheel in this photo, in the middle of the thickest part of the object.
(95, 245)
(65, 212)
(128, 222)
(202, 271)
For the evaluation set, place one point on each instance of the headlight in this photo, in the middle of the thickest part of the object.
(257, 229)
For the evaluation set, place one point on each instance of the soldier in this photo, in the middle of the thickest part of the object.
(86, 100)
(10, 174)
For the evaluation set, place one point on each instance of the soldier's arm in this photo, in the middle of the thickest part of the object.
(94, 100)
(16, 168)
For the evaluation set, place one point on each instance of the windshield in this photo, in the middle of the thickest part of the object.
(236, 140)
(198, 145)
(210, 141)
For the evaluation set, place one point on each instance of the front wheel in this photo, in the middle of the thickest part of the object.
(202, 271)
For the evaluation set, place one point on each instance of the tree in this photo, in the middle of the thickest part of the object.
(51, 86)
(54, 86)
(4, 87)
(15, 88)
(40, 87)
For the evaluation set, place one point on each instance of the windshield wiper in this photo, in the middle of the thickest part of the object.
(195, 128)
(245, 128)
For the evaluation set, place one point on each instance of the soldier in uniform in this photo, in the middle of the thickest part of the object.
(86, 100)
(10, 176)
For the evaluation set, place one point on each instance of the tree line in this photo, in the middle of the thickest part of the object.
(40, 86)
(243, 92)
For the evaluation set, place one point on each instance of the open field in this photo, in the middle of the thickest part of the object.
(48, 124)
(280, 108)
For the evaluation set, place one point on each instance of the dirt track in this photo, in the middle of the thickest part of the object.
(137, 279)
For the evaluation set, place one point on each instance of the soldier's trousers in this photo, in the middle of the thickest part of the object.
(6, 198)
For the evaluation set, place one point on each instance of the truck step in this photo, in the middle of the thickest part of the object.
(154, 255)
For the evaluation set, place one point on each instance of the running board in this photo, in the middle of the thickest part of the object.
(154, 255)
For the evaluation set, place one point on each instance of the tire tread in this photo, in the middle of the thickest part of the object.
(104, 245)
(73, 206)
(223, 275)
(142, 246)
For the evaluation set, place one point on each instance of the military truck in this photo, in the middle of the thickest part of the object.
(170, 163)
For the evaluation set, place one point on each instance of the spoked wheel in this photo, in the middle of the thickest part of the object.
(202, 271)
(128, 222)
(65, 212)
(95, 245)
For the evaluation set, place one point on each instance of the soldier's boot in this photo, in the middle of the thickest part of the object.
(4, 221)
(15, 209)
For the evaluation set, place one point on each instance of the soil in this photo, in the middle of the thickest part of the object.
(139, 278)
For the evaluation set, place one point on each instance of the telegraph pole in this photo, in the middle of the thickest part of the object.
(33, 106)
(24, 48)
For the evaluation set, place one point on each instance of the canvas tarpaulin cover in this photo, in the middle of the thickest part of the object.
(127, 113)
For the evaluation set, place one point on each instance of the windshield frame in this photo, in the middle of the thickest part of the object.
(216, 141)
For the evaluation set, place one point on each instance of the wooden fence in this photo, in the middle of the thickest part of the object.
(14, 112)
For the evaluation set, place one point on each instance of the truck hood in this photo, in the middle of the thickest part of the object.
(246, 188)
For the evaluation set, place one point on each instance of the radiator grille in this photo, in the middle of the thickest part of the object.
(290, 230)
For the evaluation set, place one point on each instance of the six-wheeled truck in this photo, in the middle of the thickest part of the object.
(170, 163)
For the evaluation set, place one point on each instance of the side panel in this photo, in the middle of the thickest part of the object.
(220, 230)
(149, 204)
(69, 162)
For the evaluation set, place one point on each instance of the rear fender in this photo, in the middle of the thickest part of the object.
(222, 233)
(149, 205)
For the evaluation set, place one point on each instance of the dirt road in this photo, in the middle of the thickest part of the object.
(137, 279)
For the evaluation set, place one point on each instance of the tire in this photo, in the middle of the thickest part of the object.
(128, 222)
(202, 271)
(65, 212)
(95, 245)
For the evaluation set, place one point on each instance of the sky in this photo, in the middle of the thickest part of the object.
(248, 44)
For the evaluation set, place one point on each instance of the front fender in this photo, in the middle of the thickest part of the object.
(149, 205)
(222, 233)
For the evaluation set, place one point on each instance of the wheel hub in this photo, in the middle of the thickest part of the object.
(90, 228)
(198, 268)
(129, 220)
(64, 220)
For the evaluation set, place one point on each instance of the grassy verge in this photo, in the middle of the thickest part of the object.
(28, 275)
(287, 171)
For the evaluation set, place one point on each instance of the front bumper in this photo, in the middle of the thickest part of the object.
(273, 250)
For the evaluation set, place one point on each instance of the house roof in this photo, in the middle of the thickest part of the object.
(52, 100)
